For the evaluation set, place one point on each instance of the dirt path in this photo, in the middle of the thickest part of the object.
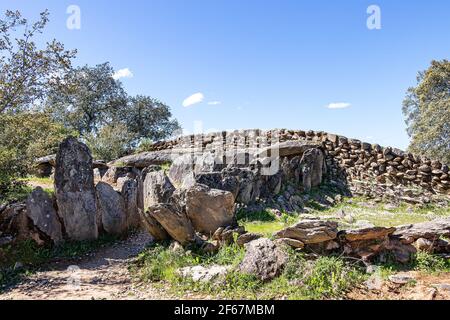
(102, 275)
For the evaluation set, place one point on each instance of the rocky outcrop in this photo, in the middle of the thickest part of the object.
(176, 223)
(111, 209)
(263, 259)
(41, 211)
(74, 189)
(209, 209)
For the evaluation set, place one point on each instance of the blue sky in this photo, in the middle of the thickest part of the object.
(270, 64)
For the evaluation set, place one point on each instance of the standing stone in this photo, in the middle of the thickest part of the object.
(157, 188)
(41, 211)
(130, 197)
(312, 164)
(74, 189)
(111, 209)
(209, 209)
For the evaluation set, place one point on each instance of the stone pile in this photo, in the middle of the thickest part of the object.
(321, 236)
(368, 169)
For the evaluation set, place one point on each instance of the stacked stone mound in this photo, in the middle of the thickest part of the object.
(368, 169)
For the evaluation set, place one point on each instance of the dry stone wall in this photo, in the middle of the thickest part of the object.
(367, 169)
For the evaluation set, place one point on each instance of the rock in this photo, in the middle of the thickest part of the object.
(41, 211)
(177, 225)
(310, 231)
(153, 227)
(209, 209)
(130, 195)
(287, 148)
(111, 175)
(204, 274)
(432, 230)
(75, 191)
(367, 233)
(297, 244)
(312, 168)
(247, 237)
(375, 282)
(423, 244)
(401, 279)
(111, 209)
(157, 188)
(263, 259)
(181, 168)
(210, 247)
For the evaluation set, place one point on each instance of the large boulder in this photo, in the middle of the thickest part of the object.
(157, 188)
(263, 259)
(432, 230)
(181, 169)
(153, 227)
(312, 168)
(310, 231)
(209, 209)
(75, 191)
(176, 223)
(130, 197)
(41, 211)
(111, 209)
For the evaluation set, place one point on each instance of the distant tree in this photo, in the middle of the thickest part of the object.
(111, 142)
(427, 111)
(148, 118)
(88, 99)
(27, 71)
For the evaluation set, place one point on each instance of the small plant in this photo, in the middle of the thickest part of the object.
(431, 263)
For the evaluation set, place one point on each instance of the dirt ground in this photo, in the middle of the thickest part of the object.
(421, 287)
(104, 275)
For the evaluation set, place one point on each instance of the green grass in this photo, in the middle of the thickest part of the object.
(45, 180)
(265, 222)
(33, 256)
(325, 278)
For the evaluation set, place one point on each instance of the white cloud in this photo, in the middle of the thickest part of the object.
(122, 73)
(194, 99)
(214, 103)
(339, 105)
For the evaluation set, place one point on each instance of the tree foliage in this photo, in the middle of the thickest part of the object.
(88, 99)
(23, 138)
(427, 111)
(26, 70)
(94, 104)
